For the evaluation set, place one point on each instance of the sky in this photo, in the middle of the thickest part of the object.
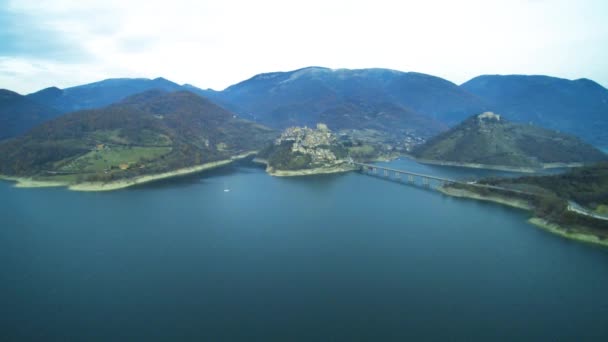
(213, 44)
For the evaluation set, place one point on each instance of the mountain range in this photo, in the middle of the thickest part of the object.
(381, 99)
(364, 98)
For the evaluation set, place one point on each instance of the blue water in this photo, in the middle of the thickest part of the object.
(339, 257)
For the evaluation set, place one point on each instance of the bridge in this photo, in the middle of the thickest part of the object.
(399, 174)
(426, 179)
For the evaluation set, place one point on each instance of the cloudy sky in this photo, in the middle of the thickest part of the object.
(213, 44)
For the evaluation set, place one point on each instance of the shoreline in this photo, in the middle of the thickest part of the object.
(24, 182)
(561, 231)
(524, 205)
(518, 169)
(462, 193)
(304, 172)
(307, 172)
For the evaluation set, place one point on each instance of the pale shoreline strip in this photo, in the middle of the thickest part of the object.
(546, 166)
(462, 193)
(123, 183)
(556, 229)
(308, 172)
(303, 172)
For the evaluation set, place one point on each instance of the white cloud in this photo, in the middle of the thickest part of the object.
(215, 44)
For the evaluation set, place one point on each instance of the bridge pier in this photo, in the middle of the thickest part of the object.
(385, 173)
(397, 175)
(425, 181)
(410, 178)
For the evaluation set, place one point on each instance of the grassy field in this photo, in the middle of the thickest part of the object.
(110, 136)
(112, 157)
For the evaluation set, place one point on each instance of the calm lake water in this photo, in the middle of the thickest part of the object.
(339, 257)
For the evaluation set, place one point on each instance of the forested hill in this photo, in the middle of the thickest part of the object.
(587, 186)
(146, 133)
(489, 139)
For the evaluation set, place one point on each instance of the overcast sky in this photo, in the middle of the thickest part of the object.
(213, 44)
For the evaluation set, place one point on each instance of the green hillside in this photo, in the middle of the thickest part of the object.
(146, 133)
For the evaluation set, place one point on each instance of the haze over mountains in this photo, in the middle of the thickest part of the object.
(381, 99)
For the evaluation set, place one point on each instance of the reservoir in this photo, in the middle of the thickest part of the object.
(344, 257)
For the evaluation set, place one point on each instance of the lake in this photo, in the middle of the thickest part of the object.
(337, 257)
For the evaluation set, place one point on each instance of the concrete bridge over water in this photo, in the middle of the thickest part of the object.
(411, 177)
(425, 179)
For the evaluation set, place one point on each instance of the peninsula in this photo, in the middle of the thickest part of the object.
(305, 151)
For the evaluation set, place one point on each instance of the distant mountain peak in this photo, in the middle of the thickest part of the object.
(306, 72)
(5, 93)
(50, 91)
(99, 94)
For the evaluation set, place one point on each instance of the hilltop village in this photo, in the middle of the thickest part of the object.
(303, 151)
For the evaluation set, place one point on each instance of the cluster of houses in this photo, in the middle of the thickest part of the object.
(313, 142)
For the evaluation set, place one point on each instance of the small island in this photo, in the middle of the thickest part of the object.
(303, 151)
